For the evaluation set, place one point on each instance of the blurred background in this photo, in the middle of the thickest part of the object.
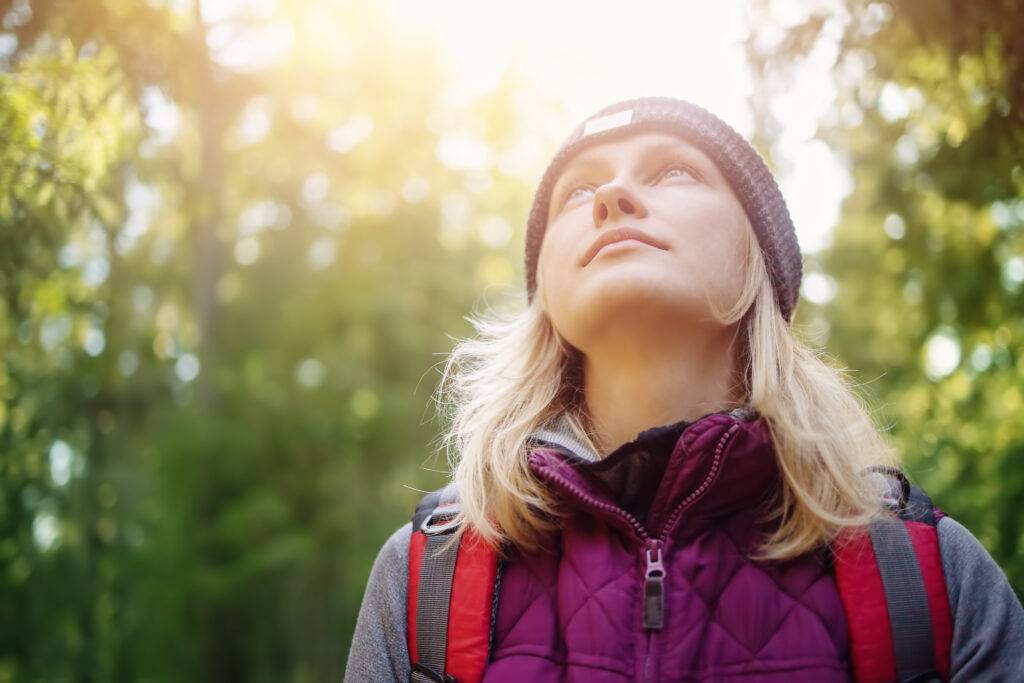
(238, 238)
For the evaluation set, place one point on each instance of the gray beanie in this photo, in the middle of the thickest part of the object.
(737, 160)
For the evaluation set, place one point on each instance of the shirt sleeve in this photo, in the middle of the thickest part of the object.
(379, 651)
(988, 620)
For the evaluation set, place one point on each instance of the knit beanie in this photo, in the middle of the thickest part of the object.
(738, 161)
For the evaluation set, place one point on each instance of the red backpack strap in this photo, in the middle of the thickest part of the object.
(451, 596)
(893, 590)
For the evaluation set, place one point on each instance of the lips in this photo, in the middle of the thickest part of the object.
(617, 235)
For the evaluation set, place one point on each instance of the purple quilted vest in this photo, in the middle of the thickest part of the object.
(668, 595)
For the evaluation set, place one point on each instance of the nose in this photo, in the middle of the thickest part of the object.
(612, 200)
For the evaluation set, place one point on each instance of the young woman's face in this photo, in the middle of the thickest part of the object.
(664, 187)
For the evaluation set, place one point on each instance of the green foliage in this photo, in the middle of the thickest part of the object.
(220, 329)
(68, 123)
(928, 258)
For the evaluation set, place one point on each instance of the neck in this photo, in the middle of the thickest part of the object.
(630, 388)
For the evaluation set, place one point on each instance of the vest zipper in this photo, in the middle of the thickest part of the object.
(654, 563)
(654, 600)
(631, 521)
(713, 472)
(654, 589)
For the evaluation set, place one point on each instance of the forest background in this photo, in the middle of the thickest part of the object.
(237, 239)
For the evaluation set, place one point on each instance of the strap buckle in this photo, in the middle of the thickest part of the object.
(904, 485)
(430, 527)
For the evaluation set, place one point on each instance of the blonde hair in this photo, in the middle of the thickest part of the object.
(518, 373)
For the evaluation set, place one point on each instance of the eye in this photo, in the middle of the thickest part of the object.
(572, 193)
(682, 169)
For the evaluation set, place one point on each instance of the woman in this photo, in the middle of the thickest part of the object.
(649, 423)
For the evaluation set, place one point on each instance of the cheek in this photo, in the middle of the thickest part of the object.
(555, 251)
(547, 269)
(556, 278)
(729, 255)
(714, 245)
(731, 241)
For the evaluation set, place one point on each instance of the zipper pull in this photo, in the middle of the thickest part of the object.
(654, 589)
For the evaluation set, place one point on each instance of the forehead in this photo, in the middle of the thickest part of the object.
(633, 146)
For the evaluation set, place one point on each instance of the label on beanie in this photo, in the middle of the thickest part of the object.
(619, 118)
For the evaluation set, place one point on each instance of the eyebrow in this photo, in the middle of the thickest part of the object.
(585, 162)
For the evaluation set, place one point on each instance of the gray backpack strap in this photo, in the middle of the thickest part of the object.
(906, 599)
(437, 572)
(909, 614)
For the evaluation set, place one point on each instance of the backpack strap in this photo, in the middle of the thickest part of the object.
(452, 594)
(893, 590)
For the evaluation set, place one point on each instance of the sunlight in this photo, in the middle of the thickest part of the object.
(580, 57)
(585, 57)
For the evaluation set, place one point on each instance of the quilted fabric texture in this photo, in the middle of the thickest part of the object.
(576, 613)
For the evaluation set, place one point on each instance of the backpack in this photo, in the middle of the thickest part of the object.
(890, 582)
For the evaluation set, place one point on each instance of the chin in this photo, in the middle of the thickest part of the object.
(633, 281)
(635, 295)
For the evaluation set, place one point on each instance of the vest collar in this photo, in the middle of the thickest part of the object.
(557, 433)
(712, 466)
